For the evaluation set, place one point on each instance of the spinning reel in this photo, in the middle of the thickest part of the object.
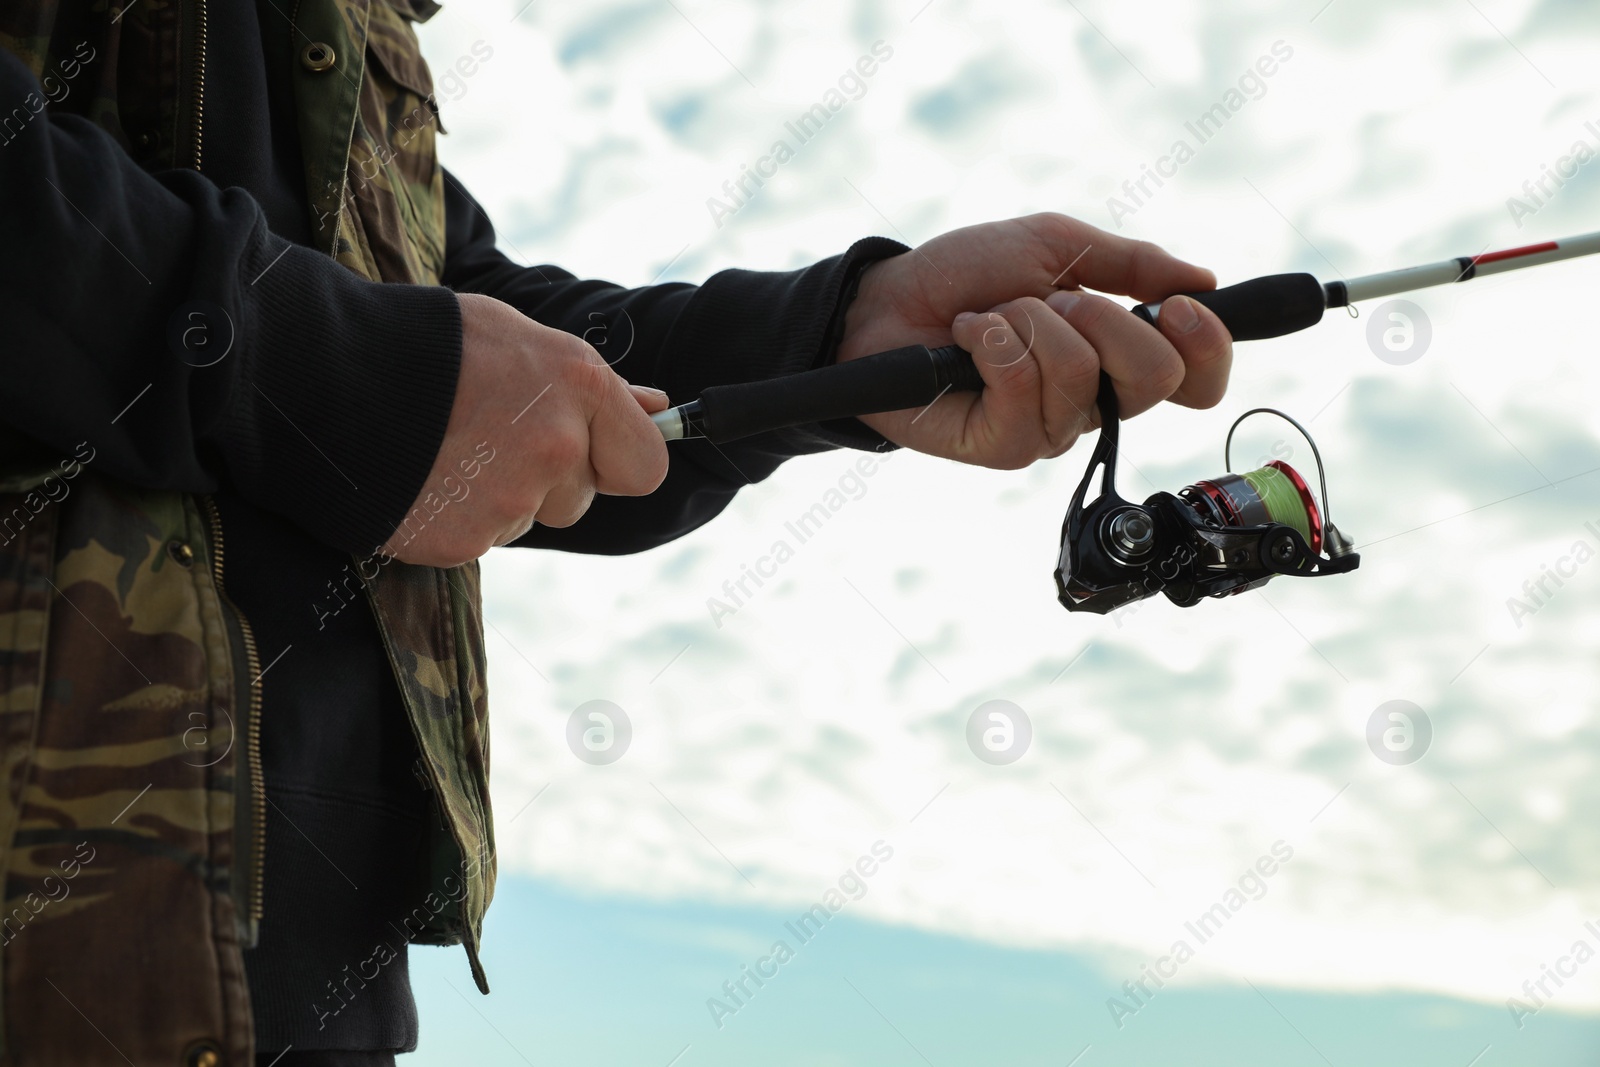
(1214, 538)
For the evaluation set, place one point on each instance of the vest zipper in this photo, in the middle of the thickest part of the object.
(253, 778)
(199, 80)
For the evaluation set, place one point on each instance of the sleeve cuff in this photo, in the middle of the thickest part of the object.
(344, 396)
(851, 432)
(786, 323)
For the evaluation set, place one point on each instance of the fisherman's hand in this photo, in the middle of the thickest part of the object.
(556, 424)
(1039, 349)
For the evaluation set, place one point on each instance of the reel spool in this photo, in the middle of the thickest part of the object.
(1215, 538)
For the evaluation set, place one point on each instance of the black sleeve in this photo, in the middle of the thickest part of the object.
(334, 392)
(739, 326)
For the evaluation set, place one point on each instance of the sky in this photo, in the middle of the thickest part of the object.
(1171, 750)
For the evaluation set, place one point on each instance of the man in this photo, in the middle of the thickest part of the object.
(269, 391)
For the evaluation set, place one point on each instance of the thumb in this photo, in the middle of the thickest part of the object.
(626, 451)
(649, 398)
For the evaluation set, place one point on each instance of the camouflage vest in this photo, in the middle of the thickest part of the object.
(132, 817)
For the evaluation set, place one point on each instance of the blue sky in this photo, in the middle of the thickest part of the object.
(600, 979)
(1171, 748)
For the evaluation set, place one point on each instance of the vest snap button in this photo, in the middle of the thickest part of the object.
(317, 56)
(203, 1054)
(181, 553)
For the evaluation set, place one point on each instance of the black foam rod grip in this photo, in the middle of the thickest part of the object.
(916, 375)
(1261, 307)
(908, 377)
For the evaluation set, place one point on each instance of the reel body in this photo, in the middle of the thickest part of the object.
(1214, 538)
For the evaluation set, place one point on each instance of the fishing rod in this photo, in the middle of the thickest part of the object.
(1214, 538)
(909, 377)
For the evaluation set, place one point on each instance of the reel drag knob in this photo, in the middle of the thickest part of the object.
(1130, 536)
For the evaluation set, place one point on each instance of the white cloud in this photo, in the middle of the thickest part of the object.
(806, 727)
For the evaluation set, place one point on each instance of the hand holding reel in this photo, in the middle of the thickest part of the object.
(1214, 538)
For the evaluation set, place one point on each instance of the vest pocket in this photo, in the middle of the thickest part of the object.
(396, 185)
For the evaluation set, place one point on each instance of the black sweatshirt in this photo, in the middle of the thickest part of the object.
(315, 433)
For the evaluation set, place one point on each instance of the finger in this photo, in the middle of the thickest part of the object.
(513, 531)
(1003, 426)
(565, 504)
(650, 398)
(1142, 363)
(626, 449)
(1205, 347)
(1069, 368)
(1090, 256)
